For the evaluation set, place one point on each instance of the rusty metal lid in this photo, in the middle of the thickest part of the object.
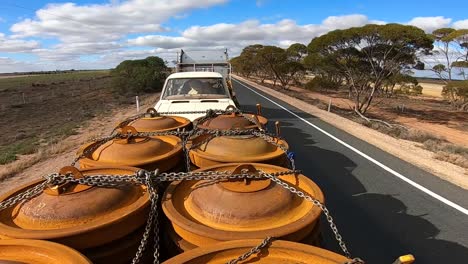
(209, 211)
(234, 121)
(134, 151)
(76, 215)
(160, 123)
(284, 252)
(229, 149)
(38, 252)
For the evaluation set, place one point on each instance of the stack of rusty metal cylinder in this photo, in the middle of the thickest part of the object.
(205, 221)
(103, 224)
(214, 221)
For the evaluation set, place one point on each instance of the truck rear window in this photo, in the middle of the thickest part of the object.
(195, 88)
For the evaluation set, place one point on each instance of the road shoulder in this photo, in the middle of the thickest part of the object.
(403, 149)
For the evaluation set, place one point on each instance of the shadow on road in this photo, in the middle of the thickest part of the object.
(376, 227)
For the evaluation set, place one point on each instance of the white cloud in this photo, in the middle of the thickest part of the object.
(69, 51)
(10, 65)
(236, 36)
(104, 22)
(16, 45)
(260, 3)
(461, 24)
(430, 24)
(165, 42)
(95, 36)
(341, 22)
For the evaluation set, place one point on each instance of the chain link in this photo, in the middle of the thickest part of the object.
(255, 250)
(152, 179)
(355, 261)
(317, 203)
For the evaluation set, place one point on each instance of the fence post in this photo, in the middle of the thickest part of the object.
(137, 104)
(329, 105)
(24, 99)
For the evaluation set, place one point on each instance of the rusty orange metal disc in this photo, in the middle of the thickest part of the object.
(206, 212)
(160, 123)
(232, 121)
(159, 152)
(38, 252)
(79, 218)
(179, 245)
(233, 149)
(284, 252)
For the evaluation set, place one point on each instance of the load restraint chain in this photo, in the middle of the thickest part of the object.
(187, 135)
(153, 178)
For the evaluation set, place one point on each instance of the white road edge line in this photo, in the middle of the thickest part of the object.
(414, 184)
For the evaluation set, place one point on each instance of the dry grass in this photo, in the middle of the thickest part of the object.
(62, 150)
(442, 149)
(26, 161)
(409, 151)
(432, 89)
(448, 152)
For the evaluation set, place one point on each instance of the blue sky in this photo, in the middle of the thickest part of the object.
(44, 35)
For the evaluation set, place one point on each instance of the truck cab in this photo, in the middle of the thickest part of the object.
(194, 92)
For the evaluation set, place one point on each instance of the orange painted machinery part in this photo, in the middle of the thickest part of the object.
(153, 122)
(120, 251)
(233, 121)
(237, 149)
(38, 252)
(207, 212)
(176, 245)
(284, 252)
(78, 216)
(160, 123)
(149, 153)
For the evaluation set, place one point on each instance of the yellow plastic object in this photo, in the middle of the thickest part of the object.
(406, 259)
(206, 212)
(283, 252)
(38, 252)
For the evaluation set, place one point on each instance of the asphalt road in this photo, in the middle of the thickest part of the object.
(379, 215)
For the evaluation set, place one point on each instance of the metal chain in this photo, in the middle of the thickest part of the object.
(24, 196)
(275, 141)
(150, 179)
(127, 121)
(97, 143)
(152, 221)
(254, 250)
(139, 178)
(355, 261)
(317, 203)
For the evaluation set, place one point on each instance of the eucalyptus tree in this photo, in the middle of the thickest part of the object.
(450, 53)
(364, 58)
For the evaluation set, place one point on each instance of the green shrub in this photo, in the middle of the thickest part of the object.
(134, 77)
(320, 83)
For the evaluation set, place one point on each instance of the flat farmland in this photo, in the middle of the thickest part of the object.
(39, 110)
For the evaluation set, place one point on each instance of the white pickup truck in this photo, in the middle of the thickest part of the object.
(194, 91)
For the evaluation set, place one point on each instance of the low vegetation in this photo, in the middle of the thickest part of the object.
(443, 149)
(134, 77)
(44, 109)
(370, 67)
